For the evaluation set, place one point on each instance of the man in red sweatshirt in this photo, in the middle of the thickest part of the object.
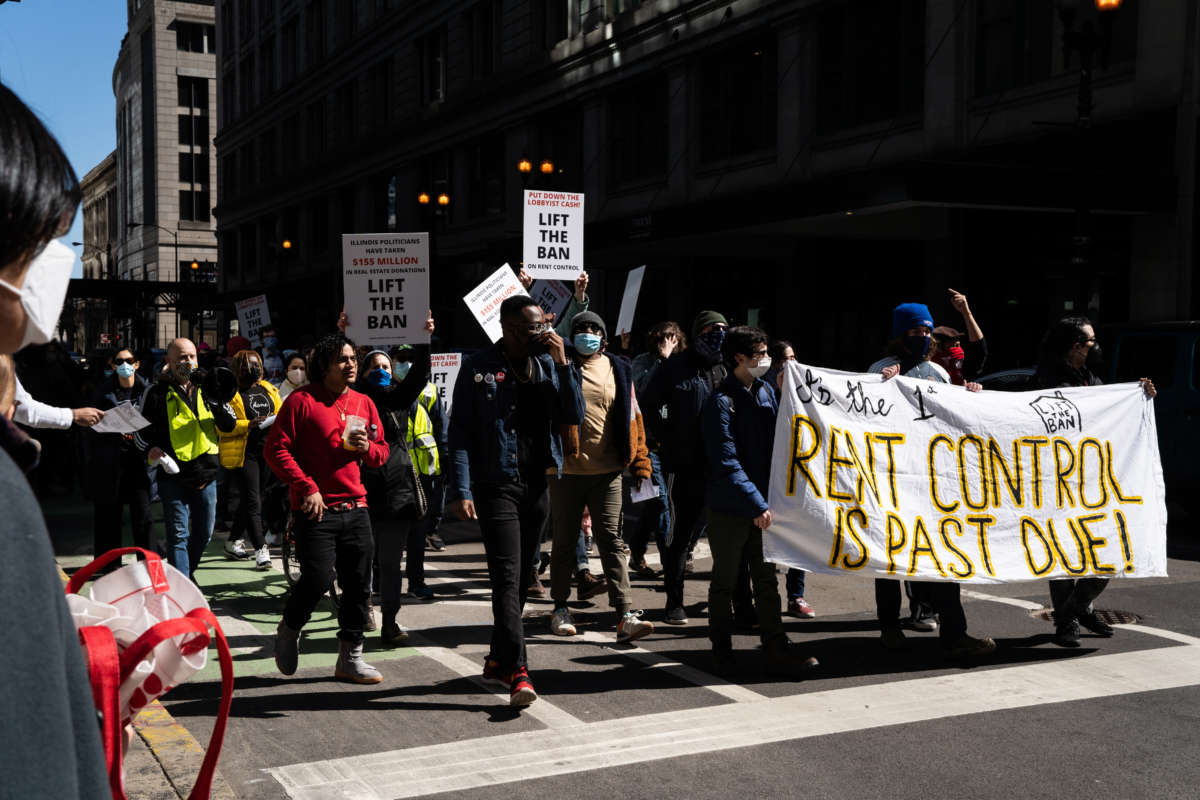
(322, 435)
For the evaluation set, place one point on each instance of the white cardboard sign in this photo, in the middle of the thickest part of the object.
(253, 315)
(553, 244)
(443, 374)
(552, 296)
(633, 286)
(485, 299)
(386, 279)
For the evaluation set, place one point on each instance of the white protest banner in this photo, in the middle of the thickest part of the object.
(913, 479)
(443, 373)
(253, 316)
(552, 296)
(386, 278)
(633, 286)
(553, 243)
(485, 299)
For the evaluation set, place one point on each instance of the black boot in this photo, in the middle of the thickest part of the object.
(1095, 624)
(724, 662)
(783, 661)
(1066, 633)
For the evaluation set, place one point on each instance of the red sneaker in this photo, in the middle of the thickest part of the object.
(521, 693)
(493, 676)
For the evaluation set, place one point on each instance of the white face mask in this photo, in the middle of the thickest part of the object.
(296, 376)
(44, 291)
(761, 368)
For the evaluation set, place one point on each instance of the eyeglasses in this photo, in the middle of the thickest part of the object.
(124, 360)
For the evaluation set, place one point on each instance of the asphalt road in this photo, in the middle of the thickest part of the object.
(1114, 718)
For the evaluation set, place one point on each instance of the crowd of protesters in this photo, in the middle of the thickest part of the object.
(557, 437)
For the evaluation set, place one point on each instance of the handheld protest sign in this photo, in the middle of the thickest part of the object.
(443, 372)
(909, 478)
(552, 296)
(553, 243)
(253, 315)
(485, 299)
(386, 280)
(633, 287)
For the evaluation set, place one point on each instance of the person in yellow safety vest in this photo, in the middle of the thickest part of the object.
(255, 406)
(184, 428)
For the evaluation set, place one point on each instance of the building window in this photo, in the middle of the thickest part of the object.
(345, 113)
(621, 6)
(193, 93)
(738, 91)
(227, 28)
(193, 205)
(437, 178)
(246, 73)
(591, 15)
(193, 168)
(228, 94)
(194, 37)
(319, 215)
(315, 123)
(229, 177)
(432, 48)
(637, 132)
(266, 156)
(193, 130)
(481, 28)
(266, 66)
(485, 177)
(290, 142)
(245, 26)
(290, 50)
(551, 22)
(314, 33)
(379, 95)
(345, 21)
(870, 63)
(266, 12)
(229, 254)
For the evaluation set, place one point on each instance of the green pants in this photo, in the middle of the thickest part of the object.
(602, 496)
(729, 538)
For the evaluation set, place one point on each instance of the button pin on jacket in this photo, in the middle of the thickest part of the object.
(478, 377)
(489, 379)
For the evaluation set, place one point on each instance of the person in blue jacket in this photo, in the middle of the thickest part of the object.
(738, 428)
(509, 403)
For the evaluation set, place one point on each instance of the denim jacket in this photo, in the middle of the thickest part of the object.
(483, 425)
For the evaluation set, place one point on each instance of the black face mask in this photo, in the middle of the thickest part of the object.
(1095, 359)
(255, 374)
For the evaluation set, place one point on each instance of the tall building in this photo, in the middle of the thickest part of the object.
(91, 319)
(802, 164)
(165, 177)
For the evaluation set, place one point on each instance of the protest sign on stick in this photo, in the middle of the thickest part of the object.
(253, 316)
(553, 242)
(443, 373)
(633, 286)
(485, 299)
(908, 478)
(386, 278)
(552, 296)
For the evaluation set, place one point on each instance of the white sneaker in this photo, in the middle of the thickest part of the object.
(632, 626)
(262, 557)
(561, 623)
(236, 549)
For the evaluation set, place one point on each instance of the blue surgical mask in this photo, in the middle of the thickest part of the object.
(125, 370)
(400, 370)
(380, 377)
(586, 343)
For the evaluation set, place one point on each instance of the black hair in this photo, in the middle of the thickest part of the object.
(327, 350)
(514, 306)
(742, 339)
(39, 191)
(777, 348)
(1061, 337)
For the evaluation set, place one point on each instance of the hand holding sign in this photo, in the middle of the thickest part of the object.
(429, 326)
(581, 284)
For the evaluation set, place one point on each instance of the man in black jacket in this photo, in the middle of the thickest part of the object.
(672, 403)
(1071, 357)
(115, 473)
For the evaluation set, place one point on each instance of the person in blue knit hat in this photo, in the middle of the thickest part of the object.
(908, 355)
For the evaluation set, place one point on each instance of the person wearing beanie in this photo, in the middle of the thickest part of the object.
(673, 399)
(610, 440)
(936, 606)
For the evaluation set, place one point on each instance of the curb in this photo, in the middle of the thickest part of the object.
(173, 747)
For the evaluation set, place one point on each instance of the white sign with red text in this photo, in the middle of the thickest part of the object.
(485, 299)
(386, 279)
(553, 244)
(443, 372)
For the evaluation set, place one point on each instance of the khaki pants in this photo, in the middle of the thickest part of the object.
(602, 496)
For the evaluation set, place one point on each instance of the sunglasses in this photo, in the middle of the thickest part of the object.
(124, 360)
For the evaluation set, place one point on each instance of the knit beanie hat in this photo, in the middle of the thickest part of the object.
(589, 316)
(707, 318)
(367, 358)
(910, 315)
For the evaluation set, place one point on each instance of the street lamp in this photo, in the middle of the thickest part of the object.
(524, 166)
(547, 167)
(174, 235)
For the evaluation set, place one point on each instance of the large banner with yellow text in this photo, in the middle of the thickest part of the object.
(913, 479)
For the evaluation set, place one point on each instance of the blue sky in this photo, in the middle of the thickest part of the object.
(58, 56)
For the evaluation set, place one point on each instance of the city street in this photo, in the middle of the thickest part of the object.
(1113, 718)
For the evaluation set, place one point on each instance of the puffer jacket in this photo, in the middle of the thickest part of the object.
(232, 445)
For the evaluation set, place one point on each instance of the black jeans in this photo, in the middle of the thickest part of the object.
(246, 485)
(511, 516)
(687, 493)
(945, 597)
(1072, 597)
(341, 541)
(132, 490)
(392, 538)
